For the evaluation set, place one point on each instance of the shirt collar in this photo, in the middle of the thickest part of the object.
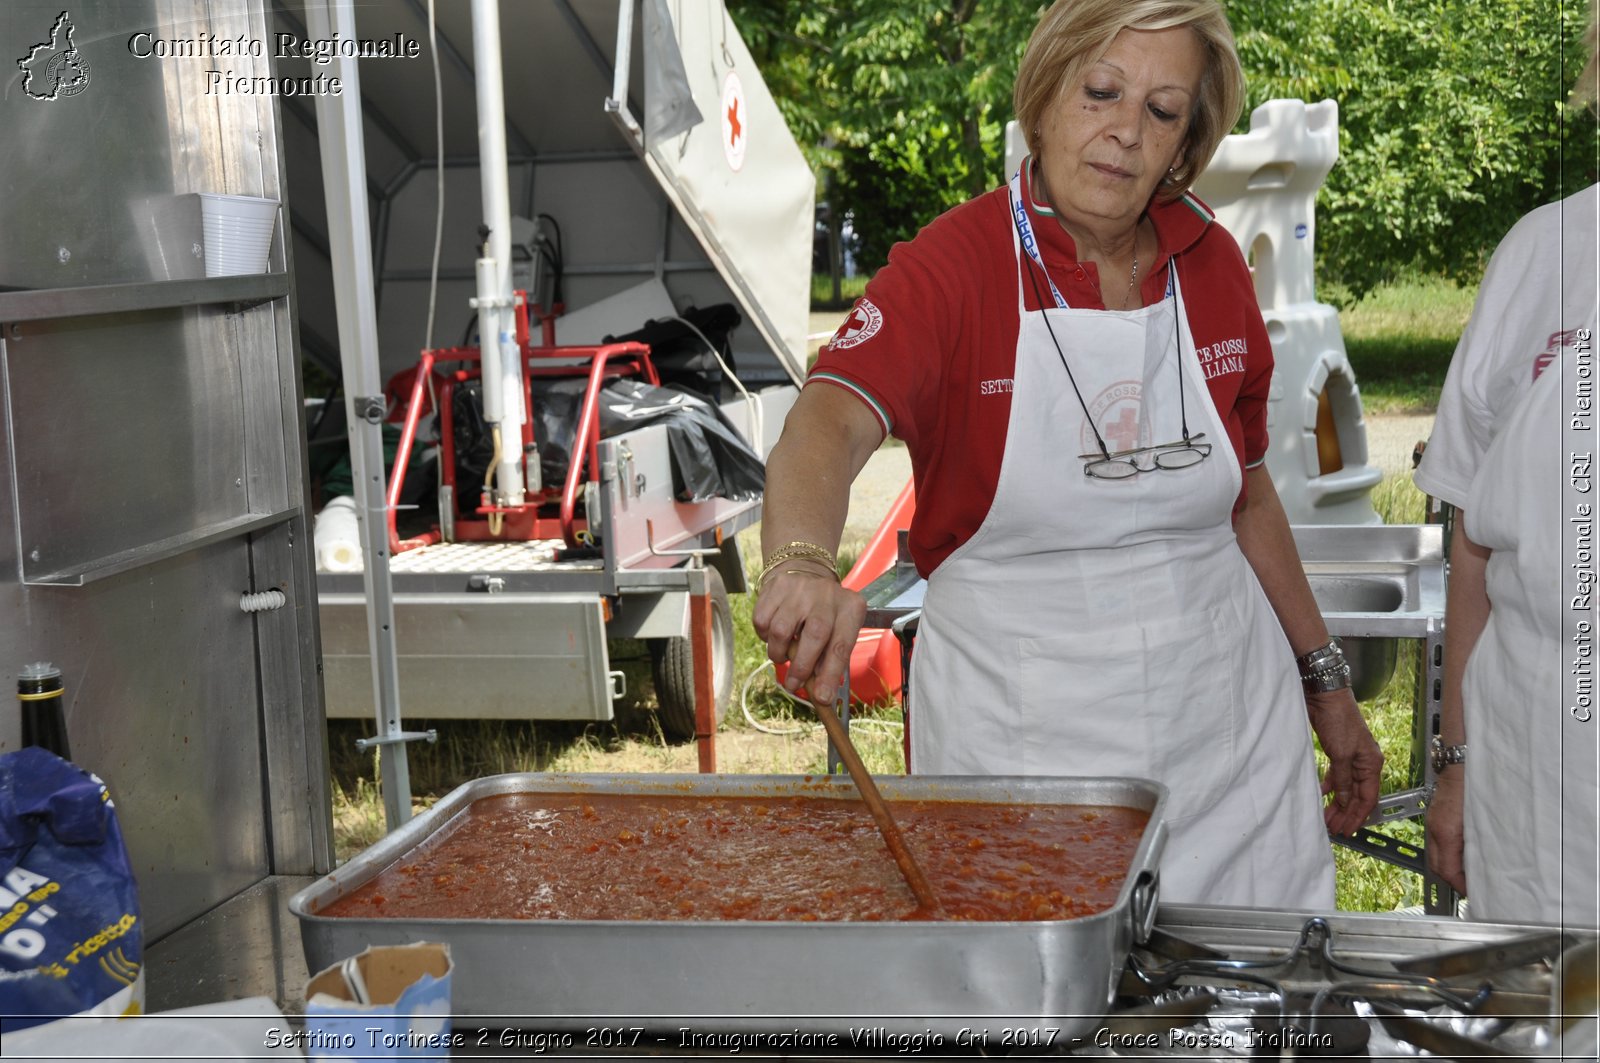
(1179, 223)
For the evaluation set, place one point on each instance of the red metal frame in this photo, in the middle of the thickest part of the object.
(605, 362)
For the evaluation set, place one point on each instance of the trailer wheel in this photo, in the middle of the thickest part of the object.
(672, 665)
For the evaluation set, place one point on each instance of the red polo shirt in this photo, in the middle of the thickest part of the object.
(931, 348)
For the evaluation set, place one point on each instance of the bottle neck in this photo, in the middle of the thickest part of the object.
(40, 689)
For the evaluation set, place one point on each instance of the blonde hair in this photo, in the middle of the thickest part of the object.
(1586, 89)
(1074, 34)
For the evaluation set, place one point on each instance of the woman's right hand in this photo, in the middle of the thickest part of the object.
(1445, 834)
(809, 622)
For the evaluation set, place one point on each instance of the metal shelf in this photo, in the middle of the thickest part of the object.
(149, 553)
(43, 304)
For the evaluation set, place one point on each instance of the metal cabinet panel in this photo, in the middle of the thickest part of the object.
(60, 230)
(160, 671)
(151, 458)
(475, 656)
(129, 430)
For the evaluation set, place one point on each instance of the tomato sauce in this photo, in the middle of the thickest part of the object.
(628, 856)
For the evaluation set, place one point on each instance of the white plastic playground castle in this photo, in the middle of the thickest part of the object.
(1263, 186)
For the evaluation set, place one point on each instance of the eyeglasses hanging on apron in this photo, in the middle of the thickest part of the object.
(1181, 454)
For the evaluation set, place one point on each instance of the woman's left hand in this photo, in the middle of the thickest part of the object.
(1355, 763)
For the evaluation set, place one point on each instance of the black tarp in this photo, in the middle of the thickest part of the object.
(709, 457)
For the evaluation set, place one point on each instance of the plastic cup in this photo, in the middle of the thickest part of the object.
(238, 233)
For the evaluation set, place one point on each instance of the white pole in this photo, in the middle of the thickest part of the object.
(344, 179)
(502, 373)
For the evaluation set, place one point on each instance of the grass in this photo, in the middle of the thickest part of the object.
(1399, 338)
(1364, 883)
(850, 289)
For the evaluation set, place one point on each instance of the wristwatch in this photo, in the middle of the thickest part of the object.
(1444, 756)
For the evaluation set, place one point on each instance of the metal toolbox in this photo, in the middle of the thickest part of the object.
(756, 976)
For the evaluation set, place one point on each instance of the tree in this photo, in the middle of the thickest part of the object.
(902, 103)
(1450, 122)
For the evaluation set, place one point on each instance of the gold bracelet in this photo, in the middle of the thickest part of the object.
(762, 582)
(778, 562)
(791, 551)
(795, 551)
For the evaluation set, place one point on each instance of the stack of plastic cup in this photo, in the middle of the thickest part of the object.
(238, 232)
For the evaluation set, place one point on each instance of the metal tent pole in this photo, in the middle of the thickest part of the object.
(502, 358)
(344, 179)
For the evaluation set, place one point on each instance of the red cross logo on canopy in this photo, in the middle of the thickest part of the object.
(735, 121)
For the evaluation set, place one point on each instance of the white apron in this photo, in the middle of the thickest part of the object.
(1104, 628)
(1531, 781)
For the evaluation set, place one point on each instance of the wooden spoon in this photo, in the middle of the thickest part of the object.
(926, 901)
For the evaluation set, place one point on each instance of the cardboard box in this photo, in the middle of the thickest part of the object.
(405, 1013)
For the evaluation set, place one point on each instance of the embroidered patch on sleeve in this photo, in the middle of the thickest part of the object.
(862, 324)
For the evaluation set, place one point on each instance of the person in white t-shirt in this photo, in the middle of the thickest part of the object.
(1512, 823)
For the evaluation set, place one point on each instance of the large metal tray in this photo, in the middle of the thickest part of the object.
(746, 976)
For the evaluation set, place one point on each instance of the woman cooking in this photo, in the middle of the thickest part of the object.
(1079, 369)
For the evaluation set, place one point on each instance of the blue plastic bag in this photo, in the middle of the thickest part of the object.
(71, 942)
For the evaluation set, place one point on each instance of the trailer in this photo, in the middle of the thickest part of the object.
(645, 189)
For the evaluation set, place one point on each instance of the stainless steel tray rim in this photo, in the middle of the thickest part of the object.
(401, 841)
(958, 972)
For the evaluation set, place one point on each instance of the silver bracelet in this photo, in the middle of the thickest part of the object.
(1328, 656)
(1324, 669)
(1443, 756)
(1326, 680)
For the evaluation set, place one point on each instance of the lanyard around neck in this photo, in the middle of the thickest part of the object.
(1030, 242)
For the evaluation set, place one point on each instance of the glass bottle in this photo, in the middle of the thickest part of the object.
(44, 719)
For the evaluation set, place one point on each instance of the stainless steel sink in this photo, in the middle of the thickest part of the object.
(1339, 593)
(1374, 583)
(1371, 660)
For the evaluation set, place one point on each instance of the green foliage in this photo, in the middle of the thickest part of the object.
(1450, 115)
(1451, 125)
(851, 289)
(1400, 338)
(901, 104)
